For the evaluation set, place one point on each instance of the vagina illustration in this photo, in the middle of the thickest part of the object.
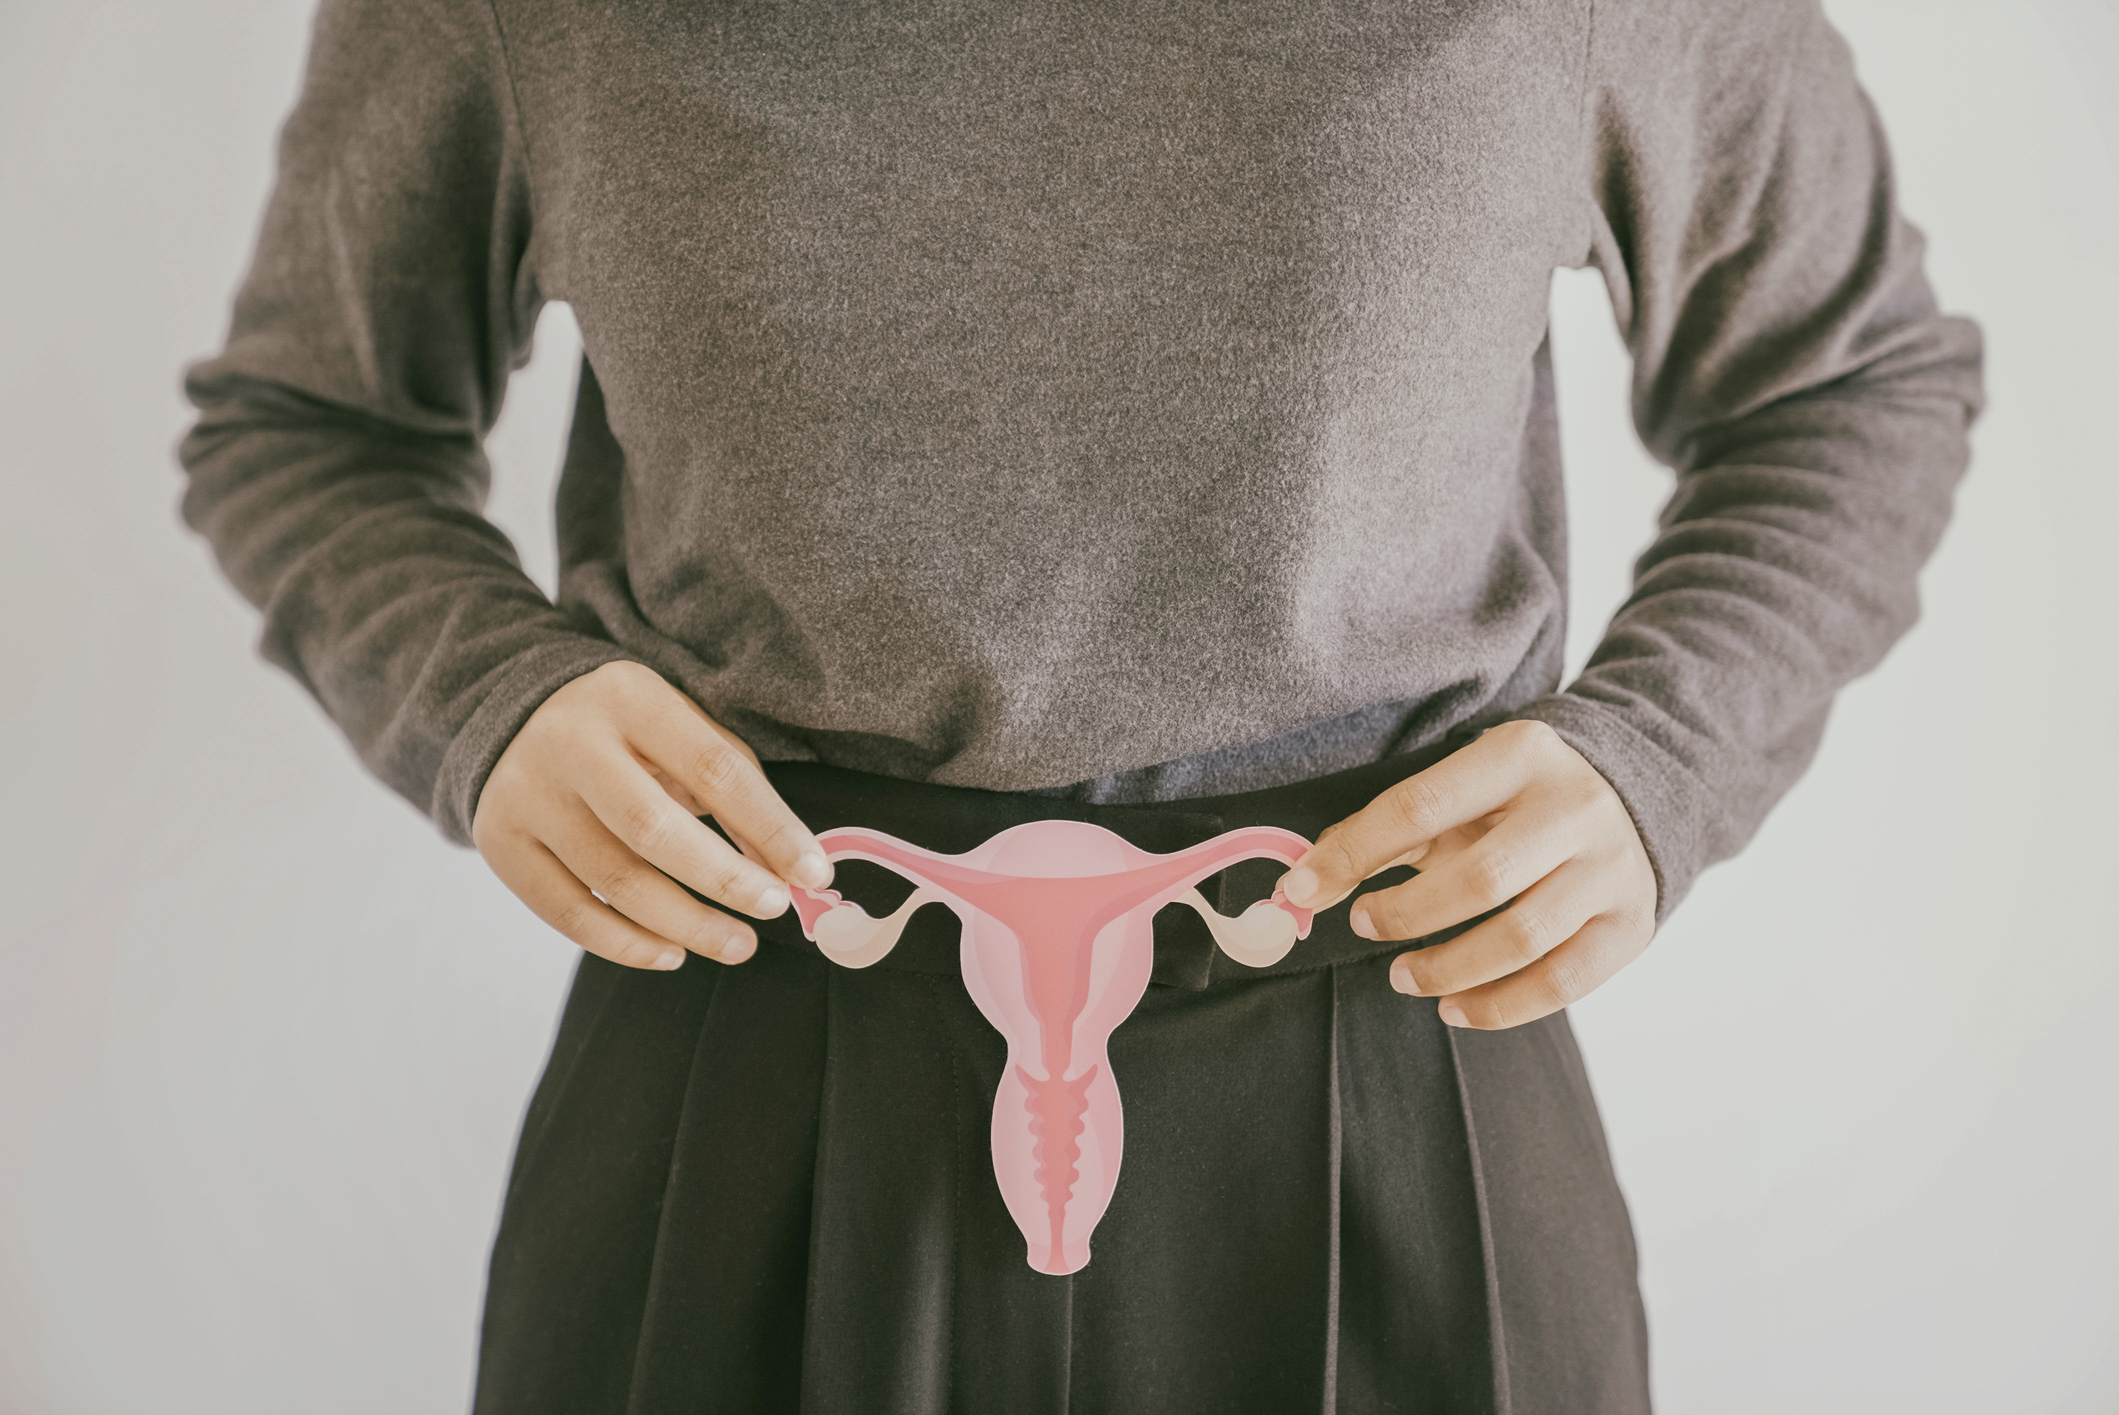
(1058, 943)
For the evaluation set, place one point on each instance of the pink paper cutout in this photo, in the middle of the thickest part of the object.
(1058, 943)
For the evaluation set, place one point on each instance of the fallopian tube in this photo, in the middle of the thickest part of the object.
(1058, 942)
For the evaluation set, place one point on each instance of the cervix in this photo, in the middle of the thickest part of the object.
(1058, 943)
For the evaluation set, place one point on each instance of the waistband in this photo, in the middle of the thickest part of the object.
(954, 819)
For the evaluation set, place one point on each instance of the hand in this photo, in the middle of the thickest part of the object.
(591, 815)
(1517, 815)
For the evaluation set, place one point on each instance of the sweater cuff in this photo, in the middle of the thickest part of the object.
(1670, 805)
(508, 695)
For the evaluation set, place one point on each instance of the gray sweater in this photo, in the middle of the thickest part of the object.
(1140, 399)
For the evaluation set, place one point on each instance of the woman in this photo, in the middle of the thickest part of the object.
(1136, 414)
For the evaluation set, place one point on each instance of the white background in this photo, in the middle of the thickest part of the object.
(265, 1038)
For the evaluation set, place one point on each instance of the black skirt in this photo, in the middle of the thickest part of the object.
(770, 1187)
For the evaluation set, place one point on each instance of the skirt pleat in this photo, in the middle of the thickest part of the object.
(883, 1254)
(1416, 1330)
(724, 1326)
(1569, 1315)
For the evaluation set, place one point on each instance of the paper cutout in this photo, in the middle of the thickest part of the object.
(1058, 943)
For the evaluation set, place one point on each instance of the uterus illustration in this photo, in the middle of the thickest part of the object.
(1058, 943)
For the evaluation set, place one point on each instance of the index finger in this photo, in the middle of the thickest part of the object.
(1473, 781)
(722, 775)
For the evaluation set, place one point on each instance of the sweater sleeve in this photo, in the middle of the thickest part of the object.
(337, 465)
(1791, 367)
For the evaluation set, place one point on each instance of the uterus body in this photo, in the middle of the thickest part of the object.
(1058, 943)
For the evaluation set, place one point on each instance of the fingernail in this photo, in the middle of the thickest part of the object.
(1299, 885)
(672, 959)
(736, 950)
(1359, 918)
(1403, 980)
(772, 903)
(1451, 1013)
(813, 870)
